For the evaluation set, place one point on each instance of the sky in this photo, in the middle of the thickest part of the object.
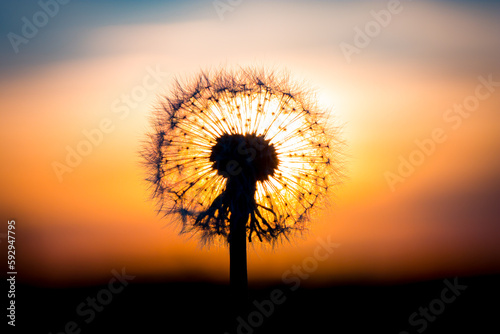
(417, 97)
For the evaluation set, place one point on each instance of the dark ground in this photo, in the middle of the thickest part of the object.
(190, 307)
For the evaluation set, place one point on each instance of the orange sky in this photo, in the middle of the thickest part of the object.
(443, 219)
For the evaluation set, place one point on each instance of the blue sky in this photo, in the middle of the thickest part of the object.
(54, 41)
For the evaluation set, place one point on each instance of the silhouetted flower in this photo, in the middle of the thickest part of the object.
(246, 143)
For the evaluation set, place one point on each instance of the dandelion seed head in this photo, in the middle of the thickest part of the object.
(249, 128)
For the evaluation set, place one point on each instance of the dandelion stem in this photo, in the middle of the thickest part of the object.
(241, 191)
(238, 263)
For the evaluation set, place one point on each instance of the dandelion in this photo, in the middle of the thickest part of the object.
(241, 156)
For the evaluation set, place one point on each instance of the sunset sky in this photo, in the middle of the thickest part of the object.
(105, 64)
